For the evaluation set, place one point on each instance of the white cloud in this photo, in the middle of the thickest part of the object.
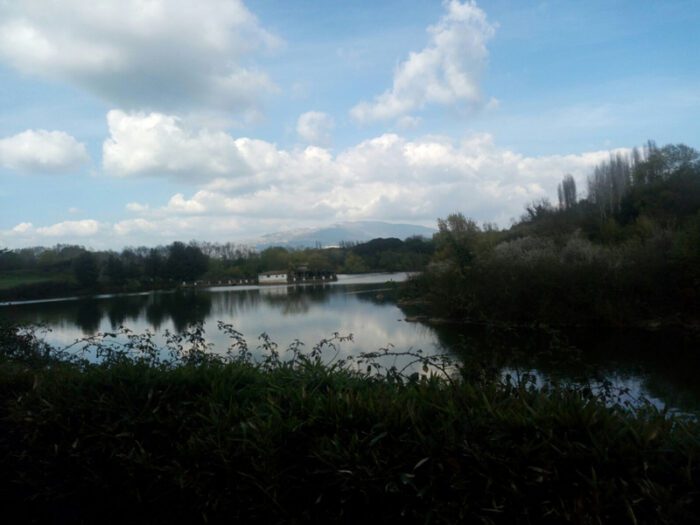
(162, 54)
(178, 203)
(137, 207)
(40, 151)
(165, 229)
(26, 234)
(157, 144)
(315, 127)
(408, 122)
(23, 227)
(254, 184)
(131, 226)
(83, 228)
(446, 72)
(387, 177)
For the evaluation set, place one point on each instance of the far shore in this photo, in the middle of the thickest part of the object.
(38, 294)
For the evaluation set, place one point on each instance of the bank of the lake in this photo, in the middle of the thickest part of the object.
(51, 289)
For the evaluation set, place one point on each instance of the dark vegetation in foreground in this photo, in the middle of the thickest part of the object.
(626, 255)
(151, 435)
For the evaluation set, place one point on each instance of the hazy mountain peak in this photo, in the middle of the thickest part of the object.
(351, 231)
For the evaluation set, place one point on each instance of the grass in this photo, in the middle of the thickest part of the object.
(139, 438)
(20, 278)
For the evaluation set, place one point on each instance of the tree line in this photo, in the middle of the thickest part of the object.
(628, 253)
(68, 268)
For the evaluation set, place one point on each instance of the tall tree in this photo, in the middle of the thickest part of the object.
(567, 192)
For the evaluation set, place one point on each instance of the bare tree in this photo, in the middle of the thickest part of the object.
(609, 183)
(567, 192)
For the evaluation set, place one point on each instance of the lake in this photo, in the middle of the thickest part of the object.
(660, 366)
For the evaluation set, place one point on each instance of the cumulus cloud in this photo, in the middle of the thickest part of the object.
(388, 177)
(131, 226)
(446, 72)
(170, 228)
(83, 228)
(89, 231)
(158, 144)
(162, 54)
(23, 227)
(315, 127)
(42, 151)
(253, 183)
(25, 233)
(155, 143)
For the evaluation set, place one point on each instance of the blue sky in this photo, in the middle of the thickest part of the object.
(133, 122)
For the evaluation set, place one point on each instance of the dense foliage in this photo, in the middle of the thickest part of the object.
(628, 254)
(44, 272)
(140, 438)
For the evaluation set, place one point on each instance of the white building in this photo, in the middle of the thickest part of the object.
(273, 277)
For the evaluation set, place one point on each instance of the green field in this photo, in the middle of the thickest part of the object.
(13, 279)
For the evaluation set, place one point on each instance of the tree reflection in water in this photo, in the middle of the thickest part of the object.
(661, 365)
(88, 316)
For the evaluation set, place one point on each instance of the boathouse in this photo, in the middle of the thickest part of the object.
(273, 277)
(301, 274)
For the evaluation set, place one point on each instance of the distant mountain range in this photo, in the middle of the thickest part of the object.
(359, 231)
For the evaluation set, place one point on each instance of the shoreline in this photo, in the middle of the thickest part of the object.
(672, 322)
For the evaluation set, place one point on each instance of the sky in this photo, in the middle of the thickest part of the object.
(141, 122)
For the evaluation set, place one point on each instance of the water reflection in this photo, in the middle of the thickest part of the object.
(181, 308)
(662, 366)
(93, 314)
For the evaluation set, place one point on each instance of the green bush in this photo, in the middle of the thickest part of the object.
(140, 437)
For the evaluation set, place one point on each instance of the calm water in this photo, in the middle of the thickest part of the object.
(661, 366)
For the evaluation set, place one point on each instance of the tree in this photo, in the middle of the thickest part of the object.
(610, 183)
(354, 264)
(153, 265)
(114, 270)
(85, 270)
(456, 239)
(274, 258)
(677, 157)
(418, 244)
(537, 209)
(131, 264)
(318, 262)
(9, 260)
(185, 263)
(567, 192)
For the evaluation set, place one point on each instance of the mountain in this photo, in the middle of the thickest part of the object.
(360, 231)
